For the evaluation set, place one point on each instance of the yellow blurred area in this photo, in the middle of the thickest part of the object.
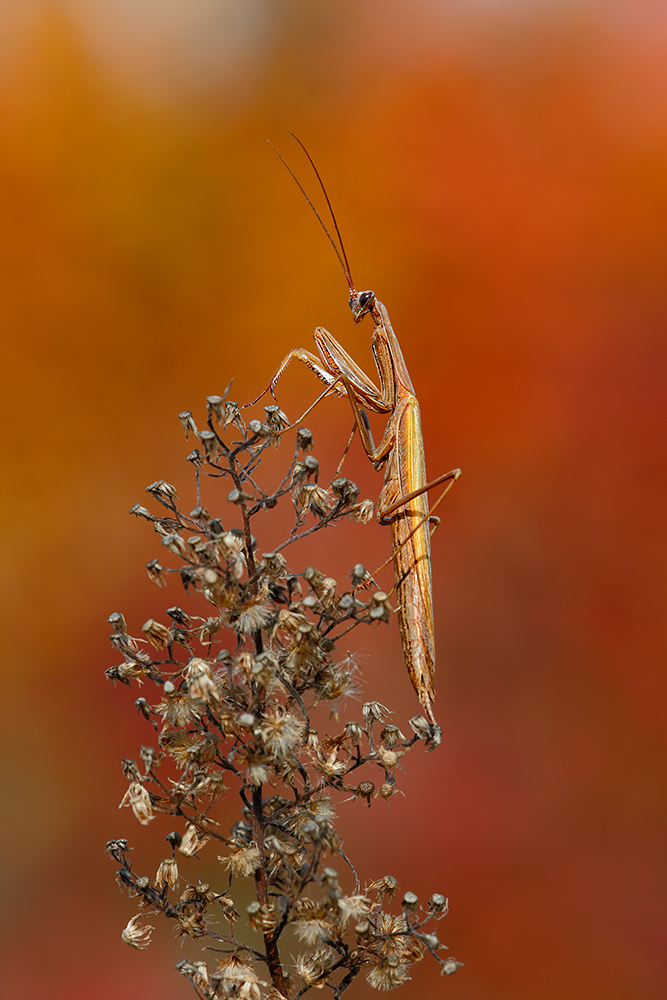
(499, 173)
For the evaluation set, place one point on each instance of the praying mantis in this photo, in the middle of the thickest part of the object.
(403, 503)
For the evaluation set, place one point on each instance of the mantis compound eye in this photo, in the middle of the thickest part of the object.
(366, 299)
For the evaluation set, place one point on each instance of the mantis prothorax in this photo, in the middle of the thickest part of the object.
(402, 502)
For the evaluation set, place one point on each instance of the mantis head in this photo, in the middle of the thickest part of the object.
(361, 303)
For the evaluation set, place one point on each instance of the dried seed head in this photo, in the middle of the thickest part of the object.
(312, 466)
(244, 861)
(410, 901)
(229, 911)
(167, 874)
(140, 511)
(139, 801)
(355, 732)
(130, 769)
(137, 935)
(449, 967)
(364, 790)
(157, 634)
(195, 458)
(164, 493)
(385, 886)
(199, 679)
(275, 418)
(362, 512)
(373, 711)
(380, 607)
(189, 425)
(179, 616)
(273, 564)
(156, 572)
(431, 941)
(261, 918)
(149, 757)
(238, 497)
(192, 841)
(216, 407)
(360, 577)
(391, 735)
(118, 622)
(176, 545)
(211, 444)
(438, 904)
(304, 438)
(345, 490)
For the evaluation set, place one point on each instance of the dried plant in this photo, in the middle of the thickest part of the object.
(240, 719)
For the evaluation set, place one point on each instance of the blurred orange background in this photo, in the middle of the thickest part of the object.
(499, 172)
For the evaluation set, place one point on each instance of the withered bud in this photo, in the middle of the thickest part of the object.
(362, 512)
(156, 572)
(312, 466)
(188, 421)
(275, 418)
(216, 407)
(373, 711)
(195, 457)
(348, 603)
(176, 545)
(174, 838)
(163, 492)
(327, 645)
(410, 901)
(449, 966)
(157, 634)
(140, 511)
(216, 527)
(385, 886)
(304, 438)
(238, 496)
(310, 601)
(438, 904)
(179, 616)
(118, 622)
(345, 490)
(364, 790)
(381, 608)
(210, 443)
(167, 874)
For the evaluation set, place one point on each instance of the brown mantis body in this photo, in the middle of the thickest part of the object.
(402, 502)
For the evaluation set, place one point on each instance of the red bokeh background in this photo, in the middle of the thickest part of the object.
(500, 175)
